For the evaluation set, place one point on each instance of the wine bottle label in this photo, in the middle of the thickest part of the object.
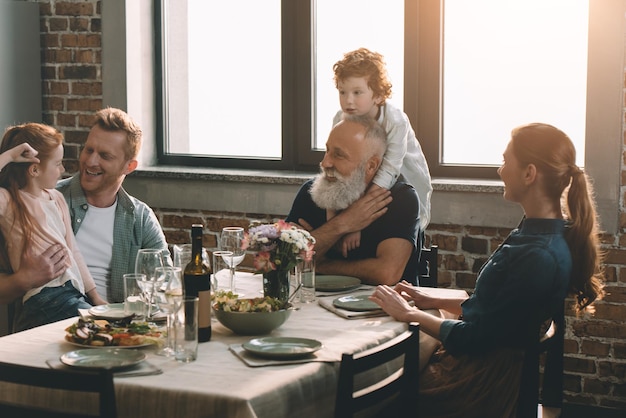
(204, 309)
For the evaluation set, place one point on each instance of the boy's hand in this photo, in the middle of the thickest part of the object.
(349, 242)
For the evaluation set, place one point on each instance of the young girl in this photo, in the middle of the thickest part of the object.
(35, 216)
(554, 251)
(364, 87)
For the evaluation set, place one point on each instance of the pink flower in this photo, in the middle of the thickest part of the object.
(263, 262)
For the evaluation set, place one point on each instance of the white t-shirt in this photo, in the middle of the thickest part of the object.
(95, 242)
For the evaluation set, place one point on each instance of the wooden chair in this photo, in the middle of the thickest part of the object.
(427, 268)
(96, 381)
(395, 392)
(551, 395)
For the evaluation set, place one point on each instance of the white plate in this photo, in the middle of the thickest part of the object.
(113, 311)
(110, 346)
(356, 303)
(281, 347)
(103, 358)
(331, 283)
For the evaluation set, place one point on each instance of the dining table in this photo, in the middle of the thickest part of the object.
(227, 380)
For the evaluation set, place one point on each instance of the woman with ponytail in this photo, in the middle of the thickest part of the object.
(552, 253)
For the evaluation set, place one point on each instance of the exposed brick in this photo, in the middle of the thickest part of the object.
(84, 105)
(610, 274)
(465, 280)
(57, 87)
(64, 8)
(48, 73)
(445, 242)
(80, 72)
(45, 8)
(453, 229)
(50, 40)
(478, 263)
(75, 137)
(57, 55)
(620, 390)
(68, 40)
(90, 41)
(615, 294)
(445, 279)
(612, 370)
(56, 24)
(609, 310)
(482, 230)
(79, 24)
(494, 243)
(53, 103)
(177, 237)
(570, 346)
(600, 329)
(65, 119)
(87, 120)
(619, 350)
(572, 383)
(185, 222)
(474, 245)
(84, 56)
(96, 25)
(71, 151)
(87, 89)
(596, 386)
(616, 256)
(454, 262)
(71, 167)
(595, 348)
(574, 364)
(615, 403)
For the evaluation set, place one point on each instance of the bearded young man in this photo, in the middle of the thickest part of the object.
(388, 219)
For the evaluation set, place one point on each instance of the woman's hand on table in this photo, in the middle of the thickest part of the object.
(393, 303)
(412, 293)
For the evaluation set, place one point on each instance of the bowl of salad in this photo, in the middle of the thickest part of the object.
(253, 316)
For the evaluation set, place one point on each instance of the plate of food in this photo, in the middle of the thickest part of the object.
(103, 358)
(102, 333)
(357, 303)
(114, 311)
(281, 347)
(332, 283)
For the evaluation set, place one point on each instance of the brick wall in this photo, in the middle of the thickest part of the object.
(595, 350)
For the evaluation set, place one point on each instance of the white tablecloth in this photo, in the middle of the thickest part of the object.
(219, 384)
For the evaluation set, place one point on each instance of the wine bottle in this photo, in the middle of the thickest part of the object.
(197, 283)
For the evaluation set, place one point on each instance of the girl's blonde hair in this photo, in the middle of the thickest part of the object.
(43, 138)
(368, 64)
(554, 155)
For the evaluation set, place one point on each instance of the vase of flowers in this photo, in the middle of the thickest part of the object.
(279, 247)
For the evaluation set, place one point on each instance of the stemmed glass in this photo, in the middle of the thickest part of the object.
(148, 259)
(231, 240)
(169, 302)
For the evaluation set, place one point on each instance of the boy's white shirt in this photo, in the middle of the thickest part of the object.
(403, 156)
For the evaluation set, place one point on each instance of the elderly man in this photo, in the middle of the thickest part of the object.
(110, 225)
(388, 219)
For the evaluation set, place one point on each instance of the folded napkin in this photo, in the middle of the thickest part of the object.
(322, 294)
(327, 303)
(251, 360)
(142, 369)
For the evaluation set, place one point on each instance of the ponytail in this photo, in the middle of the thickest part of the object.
(582, 238)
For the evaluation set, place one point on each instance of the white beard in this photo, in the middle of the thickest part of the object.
(339, 194)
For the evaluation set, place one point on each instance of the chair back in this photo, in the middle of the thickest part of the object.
(396, 391)
(551, 395)
(427, 268)
(98, 381)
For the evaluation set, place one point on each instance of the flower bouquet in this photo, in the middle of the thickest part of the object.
(279, 246)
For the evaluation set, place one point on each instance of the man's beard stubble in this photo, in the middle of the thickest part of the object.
(340, 194)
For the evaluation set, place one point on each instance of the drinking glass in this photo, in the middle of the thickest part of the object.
(231, 240)
(148, 259)
(169, 302)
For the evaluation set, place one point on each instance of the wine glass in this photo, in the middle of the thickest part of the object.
(231, 240)
(148, 259)
(169, 302)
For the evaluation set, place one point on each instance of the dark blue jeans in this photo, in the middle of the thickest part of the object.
(50, 305)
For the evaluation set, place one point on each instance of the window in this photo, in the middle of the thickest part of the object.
(249, 84)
